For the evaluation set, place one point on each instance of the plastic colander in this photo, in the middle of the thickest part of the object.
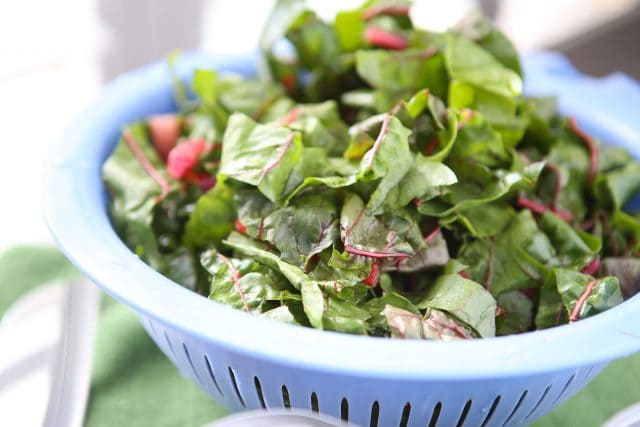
(246, 362)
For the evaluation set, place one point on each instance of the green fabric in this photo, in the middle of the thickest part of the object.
(25, 267)
(133, 383)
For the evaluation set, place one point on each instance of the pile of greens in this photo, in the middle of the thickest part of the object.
(380, 179)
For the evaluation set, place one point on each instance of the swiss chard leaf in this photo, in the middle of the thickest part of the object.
(425, 177)
(134, 192)
(211, 219)
(305, 228)
(467, 194)
(243, 283)
(464, 299)
(627, 270)
(398, 75)
(312, 297)
(435, 325)
(498, 263)
(584, 296)
(321, 126)
(480, 29)
(389, 160)
(259, 155)
(391, 235)
(517, 313)
(469, 63)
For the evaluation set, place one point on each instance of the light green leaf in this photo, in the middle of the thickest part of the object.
(466, 300)
(259, 155)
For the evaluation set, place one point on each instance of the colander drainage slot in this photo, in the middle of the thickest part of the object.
(211, 375)
(256, 382)
(315, 406)
(232, 376)
(193, 368)
(564, 389)
(173, 353)
(524, 395)
(588, 375)
(375, 414)
(406, 411)
(495, 404)
(344, 409)
(435, 415)
(544, 395)
(285, 397)
(465, 412)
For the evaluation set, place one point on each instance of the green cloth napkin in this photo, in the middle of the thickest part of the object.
(133, 384)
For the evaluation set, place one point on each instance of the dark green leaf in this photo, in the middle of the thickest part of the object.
(305, 228)
(134, 193)
(212, 218)
(517, 316)
(627, 270)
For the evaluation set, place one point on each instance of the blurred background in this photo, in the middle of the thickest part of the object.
(55, 56)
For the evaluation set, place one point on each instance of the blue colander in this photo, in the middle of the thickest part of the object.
(245, 362)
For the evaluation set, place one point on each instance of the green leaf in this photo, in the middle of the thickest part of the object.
(281, 314)
(614, 189)
(499, 111)
(321, 126)
(478, 141)
(304, 229)
(312, 297)
(436, 254)
(480, 29)
(435, 325)
(572, 161)
(253, 98)
(518, 313)
(482, 221)
(568, 247)
(259, 155)
(498, 263)
(446, 137)
(313, 302)
(205, 85)
(243, 283)
(466, 194)
(627, 270)
(134, 194)
(252, 209)
(345, 317)
(398, 74)
(212, 218)
(328, 181)
(425, 177)
(283, 14)
(391, 235)
(467, 62)
(551, 312)
(389, 160)
(464, 299)
(349, 28)
(598, 294)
